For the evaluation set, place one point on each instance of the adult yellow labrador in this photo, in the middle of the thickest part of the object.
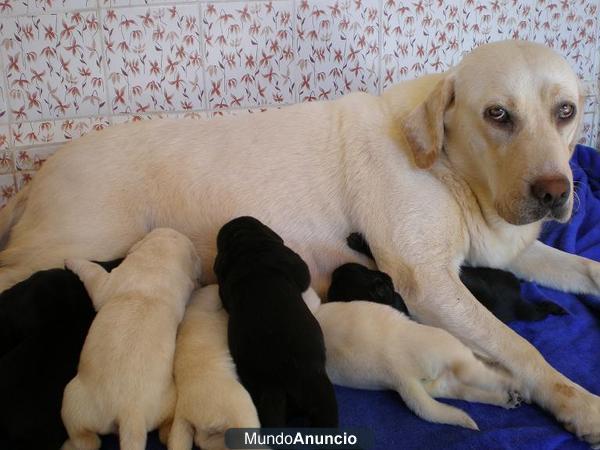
(448, 168)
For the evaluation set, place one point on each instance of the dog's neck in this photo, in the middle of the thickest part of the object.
(482, 222)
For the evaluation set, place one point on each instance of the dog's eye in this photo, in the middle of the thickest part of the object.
(566, 111)
(498, 114)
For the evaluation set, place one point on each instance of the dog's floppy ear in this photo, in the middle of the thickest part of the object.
(424, 126)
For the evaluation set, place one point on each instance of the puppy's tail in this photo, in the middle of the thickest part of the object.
(132, 431)
(423, 405)
(11, 213)
(182, 435)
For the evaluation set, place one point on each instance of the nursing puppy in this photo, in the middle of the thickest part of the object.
(124, 380)
(498, 290)
(418, 361)
(43, 324)
(353, 281)
(274, 339)
(210, 399)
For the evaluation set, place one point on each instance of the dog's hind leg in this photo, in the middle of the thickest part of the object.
(133, 431)
(78, 418)
(423, 405)
(447, 386)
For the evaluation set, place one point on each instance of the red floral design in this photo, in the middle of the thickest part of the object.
(154, 59)
(249, 53)
(51, 62)
(338, 48)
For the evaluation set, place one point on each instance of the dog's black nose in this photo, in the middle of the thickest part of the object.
(551, 191)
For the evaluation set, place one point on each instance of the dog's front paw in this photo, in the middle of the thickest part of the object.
(579, 412)
(514, 400)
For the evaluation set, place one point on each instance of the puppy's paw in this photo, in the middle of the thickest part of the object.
(514, 400)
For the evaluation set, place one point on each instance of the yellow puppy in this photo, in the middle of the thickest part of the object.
(125, 379)
(374, 346)
(210, 399)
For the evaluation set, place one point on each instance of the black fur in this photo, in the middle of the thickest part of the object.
(499, 291)
(353, 281)
(275, 341)
(43, 324)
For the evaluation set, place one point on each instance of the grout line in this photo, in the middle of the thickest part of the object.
(109, 104)
(380, 44)
(9, 118)
(203, 55)
(295, 72)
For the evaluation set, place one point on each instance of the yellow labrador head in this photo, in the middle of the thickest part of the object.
(507, 117)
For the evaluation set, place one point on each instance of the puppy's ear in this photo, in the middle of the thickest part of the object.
(92, 275)
(424, 126)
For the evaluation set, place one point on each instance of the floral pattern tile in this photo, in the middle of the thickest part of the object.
(419, 37)
(57, 131)
(4, 116)
(590, 104)
(32, 158)
(154, 59)
(22, 177)
(570, 28)
(249, 53)
(5, 141)
(590, 130)
(7, 164)
(53, 66)
(338, 47)
(7, 188)
(16, 7)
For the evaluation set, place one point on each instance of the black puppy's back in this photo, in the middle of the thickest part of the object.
(498, 290)
(44, 321)
(274, 339)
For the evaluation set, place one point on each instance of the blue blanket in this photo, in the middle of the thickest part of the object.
(568, 342)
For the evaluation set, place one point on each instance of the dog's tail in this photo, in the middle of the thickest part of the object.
(132, 431)
(182, 434)
(423, 405)
(11, 213)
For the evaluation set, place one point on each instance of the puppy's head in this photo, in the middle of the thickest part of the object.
(508, 118)
(356, 282)
(249, 240)
(163, 244)
(242, 235)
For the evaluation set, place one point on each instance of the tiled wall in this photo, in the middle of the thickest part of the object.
(71, 66)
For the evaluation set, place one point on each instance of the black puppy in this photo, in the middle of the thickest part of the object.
(44, 321)
(354, 281)
(499, 291)
(275, 341)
